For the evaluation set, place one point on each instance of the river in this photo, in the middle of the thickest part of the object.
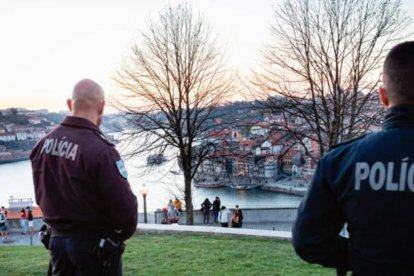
(16, 181)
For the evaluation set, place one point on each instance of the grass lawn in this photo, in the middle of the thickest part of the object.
(182, 254)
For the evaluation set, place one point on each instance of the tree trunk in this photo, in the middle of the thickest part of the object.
(188, 200)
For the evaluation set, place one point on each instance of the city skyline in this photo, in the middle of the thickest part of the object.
(49, 45)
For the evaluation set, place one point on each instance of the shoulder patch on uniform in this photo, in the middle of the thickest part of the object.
(348, 142)
(121, 168)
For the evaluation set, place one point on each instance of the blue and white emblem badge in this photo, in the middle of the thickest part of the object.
(121, 168)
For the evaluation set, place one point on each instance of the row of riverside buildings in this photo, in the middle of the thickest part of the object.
(17, 138)
(258, 151)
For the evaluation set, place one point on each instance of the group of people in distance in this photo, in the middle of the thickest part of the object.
(220, 214)
(172, 213)
(26, 222)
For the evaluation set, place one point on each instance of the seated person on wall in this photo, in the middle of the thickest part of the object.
(164, 218)
(367, 183)
(173, 215)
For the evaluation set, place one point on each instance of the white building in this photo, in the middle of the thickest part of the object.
(21, 135)
(259, 130)
(8, 137)
(270, 168)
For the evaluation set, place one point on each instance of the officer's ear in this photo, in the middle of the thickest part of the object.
(101, 107)
(69, 104)
(383, 97)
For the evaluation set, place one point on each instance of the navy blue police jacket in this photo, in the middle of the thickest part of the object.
(367, 183)
(81, 183)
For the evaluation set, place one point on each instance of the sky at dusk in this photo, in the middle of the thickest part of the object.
(48, 45)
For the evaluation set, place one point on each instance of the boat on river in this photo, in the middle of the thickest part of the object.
(245, 183)
(244, 187)
(155, 159)
(211, 184)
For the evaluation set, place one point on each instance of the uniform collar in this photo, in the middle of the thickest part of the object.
(73, 121)
(399, 116)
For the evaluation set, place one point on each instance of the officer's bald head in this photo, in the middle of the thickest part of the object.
(87, 101)
(398, 74)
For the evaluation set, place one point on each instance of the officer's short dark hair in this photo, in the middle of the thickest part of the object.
(399, 73)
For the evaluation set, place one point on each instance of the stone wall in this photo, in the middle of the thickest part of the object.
(251, 215)
(14, 225)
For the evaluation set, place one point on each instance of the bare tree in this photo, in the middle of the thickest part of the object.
(175, 77)
(321, 70)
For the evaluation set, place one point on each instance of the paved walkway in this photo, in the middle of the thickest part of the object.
(17, 239)
(214, 230)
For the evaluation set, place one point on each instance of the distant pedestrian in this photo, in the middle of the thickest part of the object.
(216, 208)
(30, 220)
(4, 210)
(23, 221)
(3, 226)
(237, 218)
(170, 205)
(178, 205)
(164, 218)
(223, 217)
(173, 215)
(205, 206)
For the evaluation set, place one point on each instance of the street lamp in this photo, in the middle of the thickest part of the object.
(144, 192)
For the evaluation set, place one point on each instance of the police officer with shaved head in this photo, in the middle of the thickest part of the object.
(367, 183)
(82, 189)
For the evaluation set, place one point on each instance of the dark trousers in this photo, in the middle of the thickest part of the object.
(75, 256)
(215, 214)
(206, 218)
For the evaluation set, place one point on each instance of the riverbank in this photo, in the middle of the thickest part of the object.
(287, 186)
(11, 157)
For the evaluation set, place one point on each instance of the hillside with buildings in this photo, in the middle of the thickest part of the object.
(20, 129)
(248, 147)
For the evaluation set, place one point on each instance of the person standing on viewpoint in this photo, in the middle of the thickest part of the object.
(170, 205)
(82, 189)
(3, 226)
(30, 220)
(178, 205)
(367, 183)
(216, 208)
(4, 210)
(206, 206)
(23, 221)
(223, 217)
(237, 218)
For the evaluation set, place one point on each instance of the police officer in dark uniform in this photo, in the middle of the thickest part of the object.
(81, 187)
(367, 183)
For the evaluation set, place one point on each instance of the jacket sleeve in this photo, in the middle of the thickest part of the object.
(318, 224)
(120, 202)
